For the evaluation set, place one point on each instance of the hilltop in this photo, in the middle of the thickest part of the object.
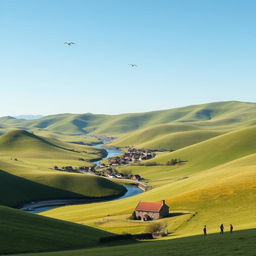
(165, 137)
(27, 144)
(218, 115)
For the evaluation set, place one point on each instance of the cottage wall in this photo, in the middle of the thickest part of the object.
(164, 211)
(143, 215)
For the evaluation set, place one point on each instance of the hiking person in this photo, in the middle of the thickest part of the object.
(221, 229)
(204, 230)
(231, 228)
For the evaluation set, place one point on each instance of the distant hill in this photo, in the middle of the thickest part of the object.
(165, 137)
(24, 143)
(27, 144)
(219, 115)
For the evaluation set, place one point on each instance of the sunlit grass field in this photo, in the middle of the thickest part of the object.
(218, 174)
(214, 184)
(237, 243)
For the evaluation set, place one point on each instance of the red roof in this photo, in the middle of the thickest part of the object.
(149, 206)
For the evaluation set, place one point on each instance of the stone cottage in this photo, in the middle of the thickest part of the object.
(151, 210)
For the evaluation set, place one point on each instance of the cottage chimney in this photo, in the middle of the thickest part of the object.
(163, 201)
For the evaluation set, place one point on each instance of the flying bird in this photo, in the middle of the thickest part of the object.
(133, 65)
(69, 43)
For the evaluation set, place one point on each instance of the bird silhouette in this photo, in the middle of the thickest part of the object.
(69, 43)
(133, 65)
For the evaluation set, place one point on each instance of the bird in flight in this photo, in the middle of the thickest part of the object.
(69, 43)
(133, 65)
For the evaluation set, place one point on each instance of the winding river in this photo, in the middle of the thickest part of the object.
(110, 153)
(41, 206)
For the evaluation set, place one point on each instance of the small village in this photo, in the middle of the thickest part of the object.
(106, 168)
(132, 156)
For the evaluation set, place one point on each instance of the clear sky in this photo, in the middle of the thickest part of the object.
(187, 52)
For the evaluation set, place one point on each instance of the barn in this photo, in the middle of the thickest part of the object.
(151, 210)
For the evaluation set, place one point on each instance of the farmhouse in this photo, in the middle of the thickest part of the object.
(151, 210)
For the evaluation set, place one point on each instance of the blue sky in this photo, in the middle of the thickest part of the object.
(187, 52)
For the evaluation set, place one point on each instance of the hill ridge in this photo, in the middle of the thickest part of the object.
(231, 114)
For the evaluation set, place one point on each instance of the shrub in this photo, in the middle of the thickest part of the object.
(148, 164)
(133, 216)
(156, 227)
(175, 161)
(126, 172)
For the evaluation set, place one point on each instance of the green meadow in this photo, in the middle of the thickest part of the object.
(217, 174)
(25, 232)
(238, 243)
(214, 182)
(26, 162)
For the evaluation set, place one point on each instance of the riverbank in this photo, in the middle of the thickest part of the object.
(41, 206)
(110, 152)
(44, 205)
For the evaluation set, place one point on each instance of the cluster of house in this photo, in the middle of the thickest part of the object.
(108, 172)
(112, 173)
(81, 169)
(133, 155)
(151, 210)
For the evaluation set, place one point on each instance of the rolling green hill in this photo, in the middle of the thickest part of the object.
(24, 232)
(216, 184)
(218, 115)
(20, 185)
(213, 184)
(26, 162)
(23, 143)
(165, 137)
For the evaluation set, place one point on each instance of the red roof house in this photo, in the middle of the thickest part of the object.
(151, 210)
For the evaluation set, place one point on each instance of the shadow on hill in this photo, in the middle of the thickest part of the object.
(16, 191)
(238, 243)
(22, 232)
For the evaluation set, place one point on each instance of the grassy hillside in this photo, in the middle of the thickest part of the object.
(78, 139)
(178, 140)
(26, 162)
(219, 115)
(238, 243)
(165, 137)
(25, 232)
(215, 185)
(20, 143)
(215, 151)
(20, 185)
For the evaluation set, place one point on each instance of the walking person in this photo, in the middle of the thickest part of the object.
(204, 230)
(231, 228)
(221, 229)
